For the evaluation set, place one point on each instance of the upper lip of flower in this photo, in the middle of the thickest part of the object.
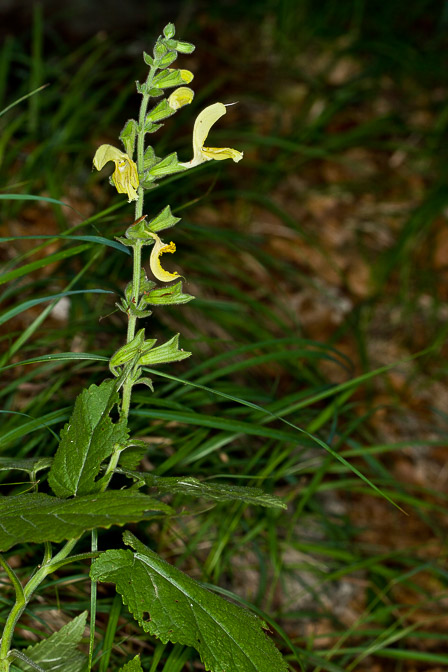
(125, 175)
(201, 129)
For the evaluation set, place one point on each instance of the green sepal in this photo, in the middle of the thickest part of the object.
(181, 47)
(169, 30)
(154, 93)
(148, 59)
(159, 112)
(164, 220)
(166, 80)
(159, 50)
(130, 351)
(170, 164)
(145, 285)
(127, 136)
(168, 352)
(150, 127)
(165, 296)
(149, 158)
(141, 88)
(168, 59)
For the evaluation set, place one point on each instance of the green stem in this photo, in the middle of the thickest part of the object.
(93, 593)
(137, 248)
(23, 597)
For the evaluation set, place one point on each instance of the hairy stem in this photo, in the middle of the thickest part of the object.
(137, 249)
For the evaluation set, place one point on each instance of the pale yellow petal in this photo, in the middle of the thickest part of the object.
(187, 76)
(154, 261)
(125, 175)
(202, 125)
(125, 178)
(221, 153)
(180, 97)
(106, 153)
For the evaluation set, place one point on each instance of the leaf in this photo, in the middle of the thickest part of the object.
(36, 517)
(215, 491)
(133, 665)
(86, 440)
(32, 465)
(170, 605)
(59, 651)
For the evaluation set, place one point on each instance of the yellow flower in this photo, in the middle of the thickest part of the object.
(180, 97)
(154, 261)
(202, 126)
(125, 176)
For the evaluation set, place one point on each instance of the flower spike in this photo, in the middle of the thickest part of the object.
(154, 261)
(202, 126)
(125, 175)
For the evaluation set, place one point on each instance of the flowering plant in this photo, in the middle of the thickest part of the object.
(96, 443)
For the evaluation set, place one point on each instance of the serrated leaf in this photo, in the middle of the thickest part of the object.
(168, 352)
(86, 440)
(59, 652)
(32, 465)
(36, 517)
(171, 295)
(133, 665)
(170, 605)
(219, 492)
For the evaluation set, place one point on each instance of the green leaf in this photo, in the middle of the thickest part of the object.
(32, 465)
(170, 605)
(167, 166)
(60, 649)
(168, 352)
(133, 665)
(216, 491)
(87, 439)
(165, 296)
(164, 220)
(147, 58)
(127, 136)
(36, 517)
